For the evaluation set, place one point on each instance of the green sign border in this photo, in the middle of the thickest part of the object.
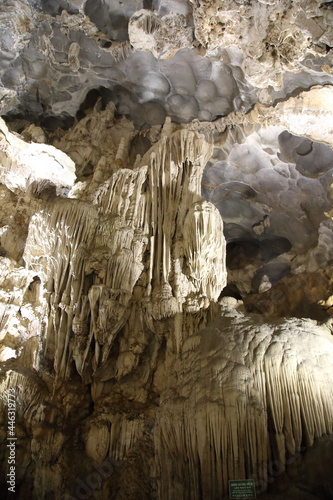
(250, 484)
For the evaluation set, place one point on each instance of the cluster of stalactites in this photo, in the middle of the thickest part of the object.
(146, 241)
(245, 399)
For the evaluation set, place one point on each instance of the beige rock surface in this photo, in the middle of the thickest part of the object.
(166, 248)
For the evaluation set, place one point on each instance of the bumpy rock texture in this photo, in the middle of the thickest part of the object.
(166, 256)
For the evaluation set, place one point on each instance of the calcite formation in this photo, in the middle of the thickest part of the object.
(143, 241)
(166, 296)
(219, 430)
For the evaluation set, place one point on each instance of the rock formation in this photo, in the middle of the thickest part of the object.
(166, 249)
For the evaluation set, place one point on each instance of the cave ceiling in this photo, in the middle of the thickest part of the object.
(254, 77)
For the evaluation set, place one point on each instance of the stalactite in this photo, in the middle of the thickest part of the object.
(124, 286)
(55, 249)
(261, 392)
(135, 214)
(134, 376)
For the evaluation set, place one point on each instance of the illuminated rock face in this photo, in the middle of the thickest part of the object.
(145, 241)
(242, 396)
(166, 248)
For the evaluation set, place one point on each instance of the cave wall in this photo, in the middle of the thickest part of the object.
(166, 248)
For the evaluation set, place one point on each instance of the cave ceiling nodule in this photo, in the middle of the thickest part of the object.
(166, 248)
